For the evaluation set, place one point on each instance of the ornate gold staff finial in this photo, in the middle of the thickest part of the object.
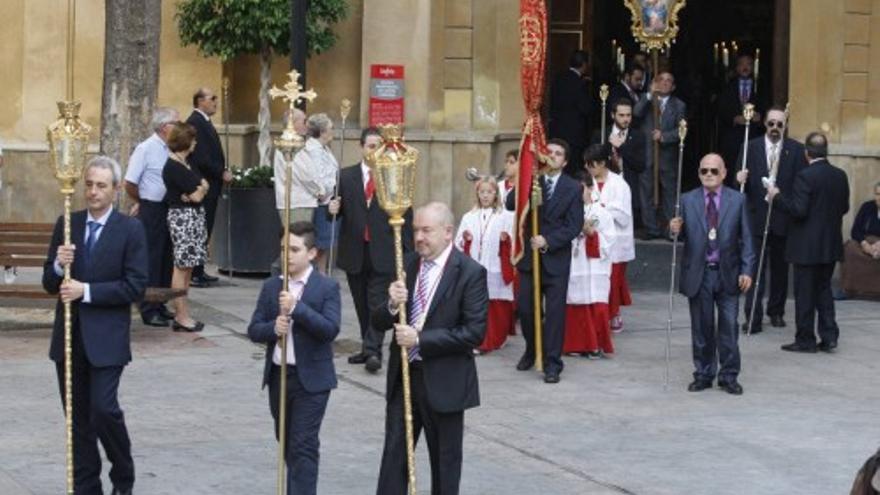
(290, 141)
(682, 130)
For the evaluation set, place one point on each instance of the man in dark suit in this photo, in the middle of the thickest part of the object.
(717, 264)
(308, 312)
(366, 248)
(788, 155)
(731, 124)
(672, 110)
(108, 271)
(627, 147)
(208, 157)
(817, 203)
(629, 87)
(561, 218)
(447, 305)
(571, 109)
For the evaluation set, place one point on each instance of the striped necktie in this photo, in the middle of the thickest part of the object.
(420, 304)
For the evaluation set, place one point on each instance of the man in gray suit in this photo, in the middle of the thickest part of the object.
(717, 264)
(672, 110)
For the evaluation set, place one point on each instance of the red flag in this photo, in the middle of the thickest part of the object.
(533, 57)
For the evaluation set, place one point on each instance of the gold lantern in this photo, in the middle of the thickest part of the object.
(393, 168)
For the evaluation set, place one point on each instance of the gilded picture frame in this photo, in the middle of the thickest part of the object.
(655, 22)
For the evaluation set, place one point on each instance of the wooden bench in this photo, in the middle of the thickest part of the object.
(26, 245)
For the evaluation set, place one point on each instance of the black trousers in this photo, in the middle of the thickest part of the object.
(210, 205)
(154, 217)
(554, 289)
(368, 290)
(444, 433)
(812, 295)
(305, 413)
(96, 416)
(775, 276)
(714, 344)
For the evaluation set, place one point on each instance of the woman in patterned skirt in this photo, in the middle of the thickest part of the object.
(185, 190)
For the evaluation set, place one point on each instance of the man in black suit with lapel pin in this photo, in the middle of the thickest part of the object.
(109, 272)
(447, 305)
(208, 157)
(561, 218)
(308, 312)
(816, 204)
(717, 264)
(789, 157)
(731, 123)
(366, 248)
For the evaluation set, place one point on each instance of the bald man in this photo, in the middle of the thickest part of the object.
(447, 302)
(717, 265)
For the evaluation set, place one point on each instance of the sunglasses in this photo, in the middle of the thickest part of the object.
(707, 171)
(775, 123)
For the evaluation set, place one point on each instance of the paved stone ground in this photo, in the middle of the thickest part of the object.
(200, 423)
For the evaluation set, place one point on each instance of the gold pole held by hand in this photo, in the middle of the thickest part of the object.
(393, 168)
(289, 143)
(748, 113)
(344, 110)
(603, 95)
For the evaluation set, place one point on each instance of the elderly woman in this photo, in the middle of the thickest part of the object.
(184, 191)
(861, 266)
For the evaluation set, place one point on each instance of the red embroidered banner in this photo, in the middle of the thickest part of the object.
(533, 58)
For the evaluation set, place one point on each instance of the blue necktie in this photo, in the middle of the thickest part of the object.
(420, 304)
(91, 239)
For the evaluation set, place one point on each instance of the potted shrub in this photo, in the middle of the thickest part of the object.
(247, 210)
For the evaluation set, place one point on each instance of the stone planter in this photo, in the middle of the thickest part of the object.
(254, 225)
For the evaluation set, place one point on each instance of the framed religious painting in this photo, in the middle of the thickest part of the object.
(655, 22)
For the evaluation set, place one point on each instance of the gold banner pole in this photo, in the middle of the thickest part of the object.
(536, 200)
(289, 143)
(393, 167)
(226, 194)
(655, 58)
(682, 134)
(603, 95)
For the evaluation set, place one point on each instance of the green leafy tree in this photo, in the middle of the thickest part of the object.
(228, 28)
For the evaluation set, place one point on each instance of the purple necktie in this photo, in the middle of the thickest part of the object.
(712, 221)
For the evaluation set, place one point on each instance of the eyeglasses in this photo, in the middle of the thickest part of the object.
(775, 123)
(707, 171)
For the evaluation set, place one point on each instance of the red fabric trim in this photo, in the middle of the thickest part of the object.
(507, 271)
(592, 245)
(620, 294)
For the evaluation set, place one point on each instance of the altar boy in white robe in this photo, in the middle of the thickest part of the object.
(587, 324)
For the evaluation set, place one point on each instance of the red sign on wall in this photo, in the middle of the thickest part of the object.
(386, 94)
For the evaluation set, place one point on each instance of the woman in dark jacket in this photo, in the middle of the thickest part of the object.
(861, 266)
(186, 218)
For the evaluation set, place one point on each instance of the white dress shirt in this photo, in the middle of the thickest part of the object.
(768, 151)
(436, 271)
(296, 288)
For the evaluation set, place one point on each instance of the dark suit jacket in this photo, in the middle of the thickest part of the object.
(670, 117)
(208, 154)
(354, 216)
(817, 203)
(316, 319)
(632, 151)
(454, 326)
(737, 256)
(791, 161)
(561, 220)
(117, 276)
(570, 109)
(731, 135)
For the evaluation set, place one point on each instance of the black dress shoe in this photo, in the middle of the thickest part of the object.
(698, 385)
(210, 278)
(795, 347)
(731, 387)
(157, 320)
(121, 491)
(777, 321)
(551, 377)
(177, 327)
(525, 363)
(755, 329)
(827, 346)
(165, 313)
(359, 358)
(198, 282)
(373, 363)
